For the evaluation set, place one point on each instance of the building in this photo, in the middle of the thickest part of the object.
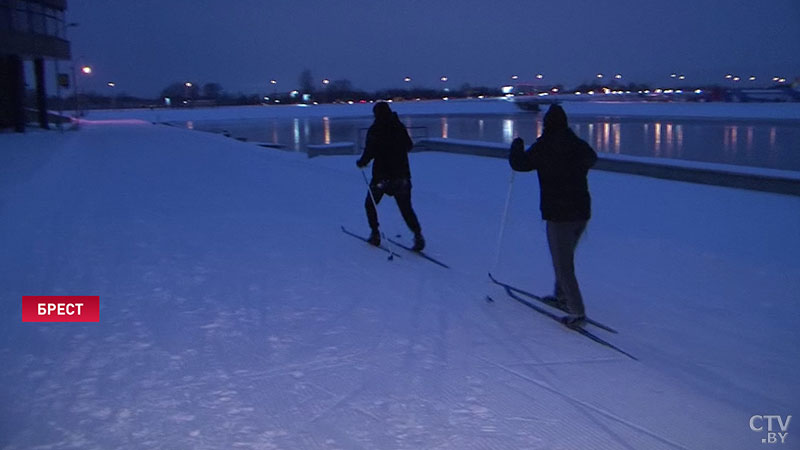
(30, 30)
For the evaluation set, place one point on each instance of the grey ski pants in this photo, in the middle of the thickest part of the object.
(562, 238)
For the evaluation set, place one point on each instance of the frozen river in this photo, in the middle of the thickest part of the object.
(756, 143)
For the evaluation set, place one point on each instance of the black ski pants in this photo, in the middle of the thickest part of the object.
(400, 189)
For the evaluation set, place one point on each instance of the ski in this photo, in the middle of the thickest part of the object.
(391, 253)
(422, 254)
(560, 319)
(545, 302)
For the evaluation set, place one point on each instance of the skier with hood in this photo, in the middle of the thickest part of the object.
(388, 143)
(562, 161)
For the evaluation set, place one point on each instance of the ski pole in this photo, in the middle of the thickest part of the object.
(503, 223)
(375, 204)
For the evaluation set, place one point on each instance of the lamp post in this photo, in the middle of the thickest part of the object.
(111, 86)
(85, 70)
(407, 81)
(326, 82)
(274, 84)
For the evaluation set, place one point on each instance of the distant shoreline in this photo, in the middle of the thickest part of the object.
(782, 112)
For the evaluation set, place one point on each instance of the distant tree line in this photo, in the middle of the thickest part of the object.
(183, 94)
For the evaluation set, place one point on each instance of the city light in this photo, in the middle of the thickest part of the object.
(443, 79)
(539, 76)
(682, 77)
(673, 75)
(111, 84)
(326, 81)
(599, 75)
(728, 76)
(273, 82)
(752, 78)
(188, 84)
(514, 77)
(407, 79)
(86, 70)
(618, 76)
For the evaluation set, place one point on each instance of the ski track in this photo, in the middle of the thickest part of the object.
(217, 331)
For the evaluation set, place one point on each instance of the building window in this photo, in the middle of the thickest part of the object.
(31, 17)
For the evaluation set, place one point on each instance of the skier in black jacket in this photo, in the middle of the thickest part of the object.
(388, 143)
(562, 161)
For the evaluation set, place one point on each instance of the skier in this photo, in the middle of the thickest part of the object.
(562, 161)
(388, 143)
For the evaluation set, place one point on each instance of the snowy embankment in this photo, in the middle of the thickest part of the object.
(235, 314)
(751, 111)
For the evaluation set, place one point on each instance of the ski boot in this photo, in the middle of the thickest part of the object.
(374, 238)
(419, 242)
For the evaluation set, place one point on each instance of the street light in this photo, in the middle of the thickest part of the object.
(111, 85)
(86, 70)
(274, 84)
(187, 91)
(539, 76)
(618, 76)
(599, 75)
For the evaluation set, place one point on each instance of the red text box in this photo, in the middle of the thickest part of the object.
(60, 308)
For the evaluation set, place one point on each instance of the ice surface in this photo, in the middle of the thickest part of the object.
(235, 314)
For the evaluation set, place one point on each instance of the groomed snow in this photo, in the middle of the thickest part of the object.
(235, 314)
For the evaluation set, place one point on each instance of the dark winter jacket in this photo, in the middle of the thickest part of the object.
(388, 143)
(562, 161)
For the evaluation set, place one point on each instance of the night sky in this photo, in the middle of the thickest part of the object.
(144, 45)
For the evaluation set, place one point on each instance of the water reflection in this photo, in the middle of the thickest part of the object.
(766, 144)
(296, 133)
(508, 130)
(657, 142)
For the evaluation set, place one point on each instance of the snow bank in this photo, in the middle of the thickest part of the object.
(759, 111)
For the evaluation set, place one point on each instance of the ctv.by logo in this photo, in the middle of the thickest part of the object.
(773, 437)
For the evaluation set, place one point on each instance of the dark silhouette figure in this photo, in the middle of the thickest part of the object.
(562, 161)
(388, 143)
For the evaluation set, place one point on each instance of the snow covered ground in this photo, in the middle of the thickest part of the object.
(236, 314)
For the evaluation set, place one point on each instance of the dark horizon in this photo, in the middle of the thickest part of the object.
(146, 45)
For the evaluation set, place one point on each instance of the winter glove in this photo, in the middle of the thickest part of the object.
(517, 145)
